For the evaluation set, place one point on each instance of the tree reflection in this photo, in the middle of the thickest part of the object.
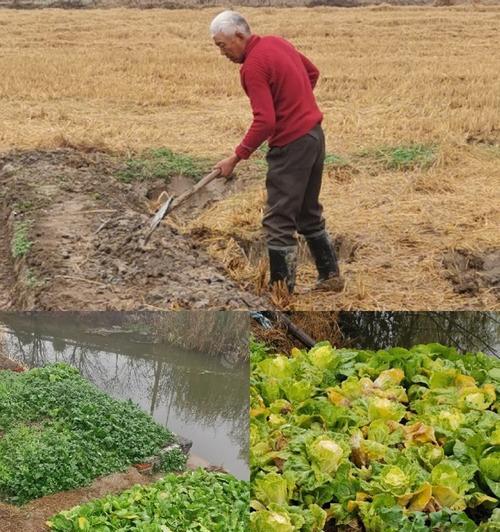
(166, 381)
(466, 331)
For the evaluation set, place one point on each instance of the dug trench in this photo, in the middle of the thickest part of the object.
(72, 238)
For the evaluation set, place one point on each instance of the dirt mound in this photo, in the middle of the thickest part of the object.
(470, 272)
(73, 240)
(12, 365)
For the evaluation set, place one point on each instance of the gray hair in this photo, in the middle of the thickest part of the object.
(228, 23)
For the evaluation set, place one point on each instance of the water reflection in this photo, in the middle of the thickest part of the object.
(466, 331)
(197, 396)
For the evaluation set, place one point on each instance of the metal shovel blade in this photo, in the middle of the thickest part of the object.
(158, 217)
(172, 203)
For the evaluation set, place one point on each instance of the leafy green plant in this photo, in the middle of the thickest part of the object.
(160, 163)
(60, 432)
(196, 500)
(175, 460)
(21, 243)
(391, 440)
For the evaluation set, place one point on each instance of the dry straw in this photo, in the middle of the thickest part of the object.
(127, 80)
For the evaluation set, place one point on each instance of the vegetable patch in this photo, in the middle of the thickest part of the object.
(395, 440)
(58, 432)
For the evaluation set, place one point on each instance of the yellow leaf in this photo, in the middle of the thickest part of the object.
(254, 412)
(419, 432)
(336, 397)
(465, 381)
(421, 498)
(447, 497)
(82, 523)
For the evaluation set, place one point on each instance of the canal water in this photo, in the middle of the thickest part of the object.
(201, 397)
(466, 331)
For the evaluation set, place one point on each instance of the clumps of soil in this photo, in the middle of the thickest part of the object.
(170, 270)
(470, 272)
(9, 364)
(86, 229)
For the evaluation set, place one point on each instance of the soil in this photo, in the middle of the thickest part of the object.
(7, 363)
(87, 228)
(471, 272)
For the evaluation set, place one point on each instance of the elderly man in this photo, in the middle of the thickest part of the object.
(279, 82)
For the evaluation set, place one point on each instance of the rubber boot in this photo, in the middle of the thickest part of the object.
(325, 259)
(283, 266)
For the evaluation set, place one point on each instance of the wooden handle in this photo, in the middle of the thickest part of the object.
(201, 183)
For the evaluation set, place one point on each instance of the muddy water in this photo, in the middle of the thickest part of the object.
(466, 331)
(197, 396)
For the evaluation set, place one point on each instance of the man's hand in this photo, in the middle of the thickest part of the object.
(226, 166)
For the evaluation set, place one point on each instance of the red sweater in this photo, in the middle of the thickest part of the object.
(279, 81)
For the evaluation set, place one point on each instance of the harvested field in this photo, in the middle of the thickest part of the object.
(411, 98)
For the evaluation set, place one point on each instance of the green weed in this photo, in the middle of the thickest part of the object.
(32, 280)
(335, 160)
(21, 243)
(23, 206)
(401, 157)
(161, 163)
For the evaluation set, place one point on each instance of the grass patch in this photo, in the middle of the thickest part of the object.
(32, 280)
(259, 156)
(196, 500)
(23, 206)
(332, 159)
(21, 243)
(405, 157)
(161, 163)
(61, 432)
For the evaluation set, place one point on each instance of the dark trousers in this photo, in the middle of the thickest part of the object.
(293, 185)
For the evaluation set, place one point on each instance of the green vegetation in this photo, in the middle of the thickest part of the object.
(21, 243)
(161, 163)
(389, 157)
(395, 440)
(174, 460)
(195, 501)
(58, 431)
(31, 279)
(335, 160)
(23, 206)
(401, 157)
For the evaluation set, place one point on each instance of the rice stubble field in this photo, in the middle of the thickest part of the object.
(411, 98)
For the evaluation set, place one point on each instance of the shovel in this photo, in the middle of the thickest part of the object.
(171, 203)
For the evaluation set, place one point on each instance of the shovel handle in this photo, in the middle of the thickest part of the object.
(201, 183)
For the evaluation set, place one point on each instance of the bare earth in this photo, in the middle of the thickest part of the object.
(86, 229)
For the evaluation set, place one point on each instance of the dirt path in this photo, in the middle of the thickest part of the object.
(77, 232)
